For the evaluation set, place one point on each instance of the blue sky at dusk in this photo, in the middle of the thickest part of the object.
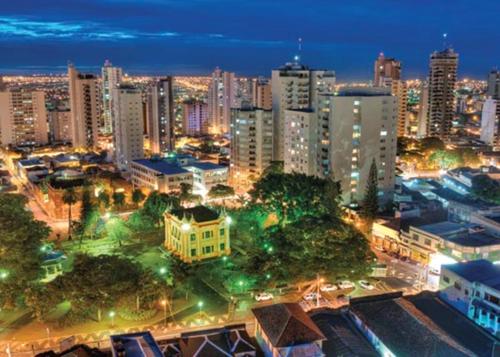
(248, 37)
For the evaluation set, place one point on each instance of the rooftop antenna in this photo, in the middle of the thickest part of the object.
(445, 44)
(296, 58)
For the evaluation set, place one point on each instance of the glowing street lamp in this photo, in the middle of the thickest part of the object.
(4, 274)
(164, 304)
(163, 270)
(229, 220)
(200, 306)
(112, 315)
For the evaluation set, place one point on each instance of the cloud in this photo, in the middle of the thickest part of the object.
(12, 28)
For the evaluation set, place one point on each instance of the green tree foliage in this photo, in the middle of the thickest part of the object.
(431, 144)
(446, 160)
(157, 203)
(104, 199)
(486, 188)
(138, 196)
(369, 205)
(118, 199)
(21, 237)
(89, 215)
(291, 196)
(275, 167)
(220, 191)
(117, 230)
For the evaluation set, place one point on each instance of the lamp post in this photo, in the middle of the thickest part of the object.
(112, 316)
(200, 306)
(164, 304)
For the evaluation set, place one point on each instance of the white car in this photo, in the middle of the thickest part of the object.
(366, 285)
(345, 284)
(264, 297)
(328, 287)
(311, 296)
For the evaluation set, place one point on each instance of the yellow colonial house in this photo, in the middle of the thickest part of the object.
(197, 233)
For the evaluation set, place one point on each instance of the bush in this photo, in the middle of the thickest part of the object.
(139, 315)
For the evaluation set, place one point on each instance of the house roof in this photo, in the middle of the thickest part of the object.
(405, 330)
(138, 344)
(287, 325)
(199, 213)
(163, 166)
(482, 271)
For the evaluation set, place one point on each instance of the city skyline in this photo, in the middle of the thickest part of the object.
(252, 38)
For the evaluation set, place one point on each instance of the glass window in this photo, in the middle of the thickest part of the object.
(222, 232)
(193, 237)
(222, 246)
(193, 252)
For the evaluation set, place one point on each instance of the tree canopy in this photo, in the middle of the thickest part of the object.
(219, 191)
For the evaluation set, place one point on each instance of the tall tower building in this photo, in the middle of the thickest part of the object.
(386, 70)
(490, 126)
(111, 77)
(251, 144)
(195, 118)
(128, 136)
(23, 118)
(60, 125)
(85, 97)
(161, 119)
(261, 93)
(3, 86)
(295, 86)
(387, 73)
(221, 97)
(423, 111)
(494, 84)
(442, 79)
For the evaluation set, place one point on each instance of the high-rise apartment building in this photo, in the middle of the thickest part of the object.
(342, 138)
(23, 118)
(262, 96)
(111, 77)
(423, 110)
(60, 125)
(195, 118)
(387, 73)
(221, 98)
(243, 92)
(160, 112)
(251, 144)
(493, 90)
(442, 79)
(386, 70)
(128, 128)
(295, 86)
(85, 98)
(3, 86)
(490, 126)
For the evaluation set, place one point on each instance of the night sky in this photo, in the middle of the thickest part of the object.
(248, 37)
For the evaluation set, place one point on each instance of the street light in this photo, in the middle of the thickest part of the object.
(163, 270)
(4, 275)
(164, 304)
(200, 306)
(112, 316)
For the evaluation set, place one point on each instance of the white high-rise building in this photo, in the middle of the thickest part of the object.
(160, 116)
(295, 86)
(251, 144)
(85, 98)
(195, 118)
(111, 77)
(221, 98)
(23, 118)
(128, 137)
(423, 111)
(490, 126)
(494, 84)
(300, 141)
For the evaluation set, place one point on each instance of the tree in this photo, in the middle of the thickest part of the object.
(446, 160)
(104, 199)
(118, 199)
(291, 196)
(70, 198)
(485, 188)
(117, 230)
(138, 196)
(96, 283)
(157, 203)
(219, 191)
(369, 205)
(275, 167)
(186, 191)
(88, 214)
(21, 237)
(431, 144)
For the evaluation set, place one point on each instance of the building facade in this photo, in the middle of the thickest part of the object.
(386, 70)
(160, 116)
(60, 125)
(262, 96)
(23, 118)
(442, 79)
(195, 118)
(251, 144)
(490, 116)
(111, 78)
(221, 98)
(128, 126)
(85, 99)
(295, 86)
(197, 233)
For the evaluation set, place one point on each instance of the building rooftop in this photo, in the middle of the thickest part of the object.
(163, 166)
(287, 325)
(199, 214)
(403, 329)
(364, 92)
(140, 344)
(444, 228)
(205, 165)
(481, 271)
(31, 162)
(477, 239)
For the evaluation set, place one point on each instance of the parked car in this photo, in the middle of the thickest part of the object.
(328, 287)
(264, 297)
(345, 284)
(311, 296)
(366, 285)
